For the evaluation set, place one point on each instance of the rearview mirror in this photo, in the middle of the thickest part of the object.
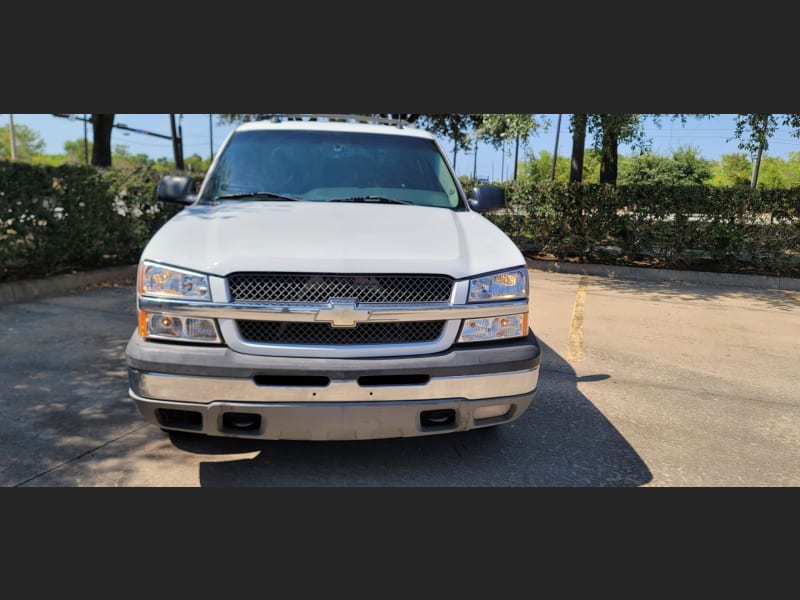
(487, 198)
(176, 188)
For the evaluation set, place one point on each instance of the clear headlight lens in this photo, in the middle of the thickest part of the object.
(494, 328)
(169, 282)
(508, 285)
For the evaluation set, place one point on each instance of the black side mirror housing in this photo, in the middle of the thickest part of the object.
(176, 188)
(487, 198)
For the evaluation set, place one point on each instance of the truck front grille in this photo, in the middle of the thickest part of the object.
(322, 334)
(280, 288)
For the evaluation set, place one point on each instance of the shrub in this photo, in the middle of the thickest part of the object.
(55, 219)
(669, 226)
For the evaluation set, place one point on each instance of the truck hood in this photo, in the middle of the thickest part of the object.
(331, 238)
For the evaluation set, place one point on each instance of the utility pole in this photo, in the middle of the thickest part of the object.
(176, 144)
(475, 160)
(180, 135)
(210, 137)
(13, 139)
(503, 163)
(85, 139)
(516, 158)
(555, 151)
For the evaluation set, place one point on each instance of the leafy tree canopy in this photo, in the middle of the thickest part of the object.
(28, 142)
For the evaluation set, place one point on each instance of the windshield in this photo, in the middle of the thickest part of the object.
(324, 166)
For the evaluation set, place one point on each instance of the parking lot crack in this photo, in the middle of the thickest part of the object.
(80, 456)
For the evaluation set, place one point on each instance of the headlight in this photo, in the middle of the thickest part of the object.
(169, 282)
(508, 285)
(163, 326)
(494, 328)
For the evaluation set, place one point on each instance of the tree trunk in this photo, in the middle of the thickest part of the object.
(102, 126)
(609, 154)
(578, 148)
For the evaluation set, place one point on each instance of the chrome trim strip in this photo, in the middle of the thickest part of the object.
(370, 313)
(205, 390)
(219, 289)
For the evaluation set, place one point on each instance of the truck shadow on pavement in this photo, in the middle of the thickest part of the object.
(562, 440)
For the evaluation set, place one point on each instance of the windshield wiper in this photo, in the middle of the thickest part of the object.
(372, 200)
(257, 196)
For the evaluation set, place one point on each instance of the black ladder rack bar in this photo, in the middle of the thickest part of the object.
(359, 118)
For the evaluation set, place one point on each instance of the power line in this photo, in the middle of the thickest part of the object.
(116, 126)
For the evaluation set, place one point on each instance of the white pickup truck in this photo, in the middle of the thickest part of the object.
(331, 281)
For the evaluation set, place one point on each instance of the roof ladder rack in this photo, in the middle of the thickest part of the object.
(277, 118)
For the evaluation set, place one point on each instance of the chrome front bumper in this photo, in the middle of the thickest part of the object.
(220, 393)
(325, 421)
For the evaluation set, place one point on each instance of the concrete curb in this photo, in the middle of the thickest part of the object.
(643, 274)
(19, 291)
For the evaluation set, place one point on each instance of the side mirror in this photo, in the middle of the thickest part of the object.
(487, 198)
(176, 188)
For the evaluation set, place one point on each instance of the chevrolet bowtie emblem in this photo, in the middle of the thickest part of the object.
(342, 313)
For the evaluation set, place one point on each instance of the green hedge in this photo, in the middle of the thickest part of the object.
(58, 219)
(665, 226)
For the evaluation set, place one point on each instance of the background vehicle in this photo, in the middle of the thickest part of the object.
(331, 280)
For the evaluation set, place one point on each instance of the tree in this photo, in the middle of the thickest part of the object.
(123, 157)
(608, 132)
(497, 129)
(690, 167)
(451, 126)
(197, 164)
(578, 128)
(793, 170)
(774, 174)
(733, 170)
(685, 167)
(75, 151)
(539, 169)
(755, 131)
(102, 126)
(27, 142)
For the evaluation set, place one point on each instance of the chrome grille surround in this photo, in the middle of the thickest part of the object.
(283, 288)
(322, 290)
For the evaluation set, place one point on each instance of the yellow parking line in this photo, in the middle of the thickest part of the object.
(575, 343)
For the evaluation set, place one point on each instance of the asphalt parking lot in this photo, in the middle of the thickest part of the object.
(655, 384)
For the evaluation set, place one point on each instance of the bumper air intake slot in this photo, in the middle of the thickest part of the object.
(180, 419)
(291, 381)
(392, 380)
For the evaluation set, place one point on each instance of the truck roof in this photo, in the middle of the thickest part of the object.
(327, 125)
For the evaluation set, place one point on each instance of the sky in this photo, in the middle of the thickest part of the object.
(203, 133)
